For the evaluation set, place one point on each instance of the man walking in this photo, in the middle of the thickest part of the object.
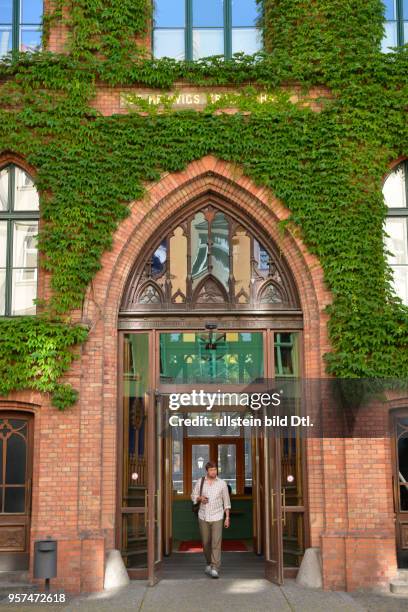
(214, 500)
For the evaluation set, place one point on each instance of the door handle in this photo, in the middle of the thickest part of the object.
(29, 492)
(273, 520)
(283, 506)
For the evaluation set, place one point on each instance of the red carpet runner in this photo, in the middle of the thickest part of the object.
(227, 545)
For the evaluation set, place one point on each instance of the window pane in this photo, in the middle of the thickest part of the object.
(5, 40)
(241, 252)
(199, 248)
(394, 189)
(26, 195)
(6, 11)
(178, 265)
(200, 454)
(3, 243)
(261, 256)
(403, 467)
(227, 469)
(401, 282)
(24, 244)
(405, 9)
(246, 40)
(405, 32)
(24, 290)
(397, 243)
(30, 40)
(2, 292)
(136, 365)
(14, 499)
(248, 461)
(232, 357)
(4, 186)
(390, 37)
(16, 460)
(208, 13)
(169, 43)
(220, 248)
(244, 12)
(177, 435)
(159, 259)
(169, 14)
(31, 11)
(134, 443)
(207, 42)
(390, 9)
(286, 354)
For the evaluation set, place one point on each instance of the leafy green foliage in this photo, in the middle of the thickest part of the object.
(35, 352)
(327, 167)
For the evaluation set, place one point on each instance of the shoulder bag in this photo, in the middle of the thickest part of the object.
(196, 506)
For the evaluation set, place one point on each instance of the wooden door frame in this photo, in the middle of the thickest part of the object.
(394, 414)
(213, 442)
(20, 560)
(153, 326)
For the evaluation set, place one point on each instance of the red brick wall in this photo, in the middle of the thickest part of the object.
(74, 480)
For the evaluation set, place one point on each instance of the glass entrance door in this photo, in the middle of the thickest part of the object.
(154, 488)
(157, 363)
(272, 508)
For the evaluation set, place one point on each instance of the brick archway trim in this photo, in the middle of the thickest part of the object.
(173, 193)
(99, 359)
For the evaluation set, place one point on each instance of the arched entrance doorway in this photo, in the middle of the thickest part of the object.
(16, 461)
(210, 305)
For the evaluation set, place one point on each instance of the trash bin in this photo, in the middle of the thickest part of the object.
(45, 559)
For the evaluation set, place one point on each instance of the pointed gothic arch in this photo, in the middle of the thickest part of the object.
(210, 257)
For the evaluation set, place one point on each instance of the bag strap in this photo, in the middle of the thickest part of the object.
(202, 484)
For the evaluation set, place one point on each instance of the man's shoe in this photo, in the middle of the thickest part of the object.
(208, 570)
(214, 573)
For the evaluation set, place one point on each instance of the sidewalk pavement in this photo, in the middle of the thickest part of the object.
(223, 595)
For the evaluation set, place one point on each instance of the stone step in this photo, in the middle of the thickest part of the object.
(399, 587)
(403, 574)
(14, 576)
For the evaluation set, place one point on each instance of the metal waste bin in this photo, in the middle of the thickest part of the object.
(45, 559)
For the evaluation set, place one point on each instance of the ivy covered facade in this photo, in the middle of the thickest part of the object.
(292, 145)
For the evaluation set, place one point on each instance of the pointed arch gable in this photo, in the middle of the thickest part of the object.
(165, 203)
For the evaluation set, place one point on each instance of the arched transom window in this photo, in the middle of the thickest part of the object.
(210, 261)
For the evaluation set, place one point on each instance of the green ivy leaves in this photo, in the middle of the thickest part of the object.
(35, 352)
(327, 167)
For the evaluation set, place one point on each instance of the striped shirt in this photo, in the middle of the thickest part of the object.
(218, 499)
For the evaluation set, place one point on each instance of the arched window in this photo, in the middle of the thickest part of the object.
(19, 213)
(396, 24)
(395, 192)
(210, 262)
(191, 29)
